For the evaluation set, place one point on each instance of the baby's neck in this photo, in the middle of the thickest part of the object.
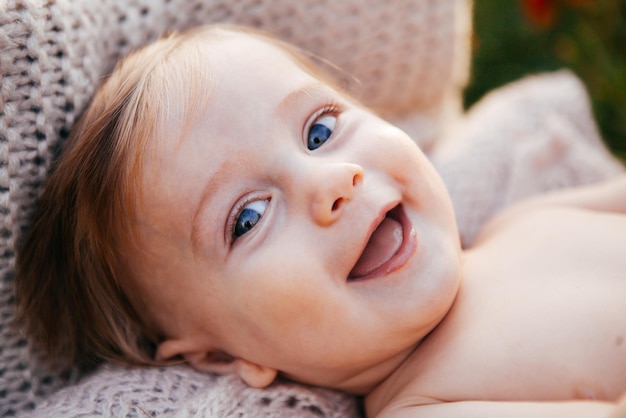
(361, 382)
(379, 395)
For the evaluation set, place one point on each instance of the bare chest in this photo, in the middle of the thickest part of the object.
(541, 316)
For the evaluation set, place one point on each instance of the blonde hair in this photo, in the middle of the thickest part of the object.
(72, 287)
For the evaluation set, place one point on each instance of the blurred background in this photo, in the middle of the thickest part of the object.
(517, 37)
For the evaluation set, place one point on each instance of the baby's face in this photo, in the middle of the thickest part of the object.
(290, 227)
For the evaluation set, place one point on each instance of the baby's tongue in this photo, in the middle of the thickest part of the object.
(383, 244)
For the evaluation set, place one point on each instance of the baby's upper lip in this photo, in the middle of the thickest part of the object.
(382, 213)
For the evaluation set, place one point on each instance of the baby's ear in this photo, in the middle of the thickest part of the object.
(214, 361)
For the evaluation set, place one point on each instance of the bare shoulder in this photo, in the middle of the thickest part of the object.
(608, 196)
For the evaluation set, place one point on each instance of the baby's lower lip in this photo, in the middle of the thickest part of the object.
(404, 252)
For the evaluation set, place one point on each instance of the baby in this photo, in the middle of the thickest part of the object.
(224, 203)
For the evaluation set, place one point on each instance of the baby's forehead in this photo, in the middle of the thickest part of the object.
(190, 75)
(226, 63)
(254, 49)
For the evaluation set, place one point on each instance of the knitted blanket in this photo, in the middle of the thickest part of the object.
(411, 59)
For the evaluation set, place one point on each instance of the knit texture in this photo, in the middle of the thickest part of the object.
(410, 57)
(182, 392)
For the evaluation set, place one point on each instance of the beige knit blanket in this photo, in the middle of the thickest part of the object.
(411, 58)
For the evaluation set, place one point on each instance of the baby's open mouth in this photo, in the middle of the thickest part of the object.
(388, 248)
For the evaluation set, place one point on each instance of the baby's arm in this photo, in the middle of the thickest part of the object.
(478, 409)
(609, 196)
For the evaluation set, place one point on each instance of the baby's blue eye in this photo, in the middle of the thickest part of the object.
(321, 131)
(249, 217)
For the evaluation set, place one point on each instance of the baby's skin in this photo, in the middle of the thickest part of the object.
(288, 230)
(540, 316)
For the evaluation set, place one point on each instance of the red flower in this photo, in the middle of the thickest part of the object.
(541, 12)
(544, 13)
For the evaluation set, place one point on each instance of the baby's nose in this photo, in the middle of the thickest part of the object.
(332, 189)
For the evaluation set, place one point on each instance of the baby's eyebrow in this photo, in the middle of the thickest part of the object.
(307, 91)
(225, 171)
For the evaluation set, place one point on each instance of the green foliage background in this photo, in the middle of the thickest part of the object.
(588, 38)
